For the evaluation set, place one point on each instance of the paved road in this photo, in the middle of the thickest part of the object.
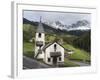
(80, 63)
(29, 63)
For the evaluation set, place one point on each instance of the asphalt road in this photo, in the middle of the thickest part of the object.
(29, 63)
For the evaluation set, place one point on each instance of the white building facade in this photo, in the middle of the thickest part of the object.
(53, 53)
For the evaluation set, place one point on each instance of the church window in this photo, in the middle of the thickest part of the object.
(49, 60)
(55, 47)
(39, 35)
(59, 58)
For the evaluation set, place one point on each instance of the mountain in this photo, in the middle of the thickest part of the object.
(79, 25)
(60, 29)
(56, 25)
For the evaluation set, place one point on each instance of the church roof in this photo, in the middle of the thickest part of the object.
(40, 28)
(46, 46)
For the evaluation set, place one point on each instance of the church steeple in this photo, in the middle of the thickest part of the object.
(40, 28)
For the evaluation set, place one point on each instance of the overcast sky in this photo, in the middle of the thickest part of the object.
(65, 18)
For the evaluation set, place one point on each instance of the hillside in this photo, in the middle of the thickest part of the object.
(83, 42)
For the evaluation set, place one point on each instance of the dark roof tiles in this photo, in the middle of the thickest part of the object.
(40, 28)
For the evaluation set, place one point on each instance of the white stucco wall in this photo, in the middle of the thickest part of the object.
(51, 49)
(42, 38)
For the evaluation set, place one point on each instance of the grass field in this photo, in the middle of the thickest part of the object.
(79, 54)
(68, 63)
(28, 49)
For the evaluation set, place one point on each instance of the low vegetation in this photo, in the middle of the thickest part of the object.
(28, 49)
(68, 63)
(79, 54)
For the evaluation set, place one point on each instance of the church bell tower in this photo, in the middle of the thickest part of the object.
(39, 41)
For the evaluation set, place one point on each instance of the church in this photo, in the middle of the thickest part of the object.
(51, 53)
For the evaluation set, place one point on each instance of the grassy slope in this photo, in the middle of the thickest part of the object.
(78, 53)
(68, 63)
(28, 49)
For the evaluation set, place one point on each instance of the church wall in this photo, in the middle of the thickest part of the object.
(51, 49)
(42, 38)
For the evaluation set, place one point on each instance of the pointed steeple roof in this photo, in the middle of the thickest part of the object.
(40, 28)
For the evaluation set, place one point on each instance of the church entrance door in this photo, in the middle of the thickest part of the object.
(54, 60)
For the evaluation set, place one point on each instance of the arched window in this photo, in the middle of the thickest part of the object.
(39, 35)
(55, 47)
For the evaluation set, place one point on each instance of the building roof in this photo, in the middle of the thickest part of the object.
(46, 46)
(40, 28)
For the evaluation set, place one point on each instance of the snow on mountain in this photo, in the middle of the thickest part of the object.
(80, 28)
(79, 25)
(56, 25)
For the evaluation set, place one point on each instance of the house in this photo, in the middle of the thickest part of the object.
(51, 53)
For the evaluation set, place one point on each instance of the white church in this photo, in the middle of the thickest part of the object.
(51, 53)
